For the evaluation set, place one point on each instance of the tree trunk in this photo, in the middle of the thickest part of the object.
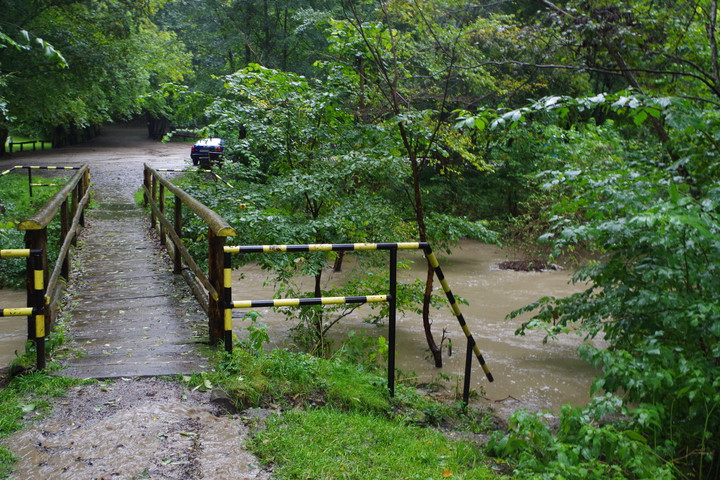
(422, 232)
(3, 138)
(337, 266)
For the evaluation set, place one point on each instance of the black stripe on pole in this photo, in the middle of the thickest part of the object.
(456, 310)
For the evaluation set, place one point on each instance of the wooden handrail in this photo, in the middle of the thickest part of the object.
(205, 287)
(70, 201)
(216, 223)
(46, 213)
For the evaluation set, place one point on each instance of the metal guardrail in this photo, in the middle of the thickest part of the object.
(230, 304)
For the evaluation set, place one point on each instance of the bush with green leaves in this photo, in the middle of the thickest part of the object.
(652, 293)
(582, 448)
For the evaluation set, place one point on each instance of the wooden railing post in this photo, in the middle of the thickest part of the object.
(153, 196)
(161, 201)
(64, 229)
(215, 276)
(147, 183)
(177, 261)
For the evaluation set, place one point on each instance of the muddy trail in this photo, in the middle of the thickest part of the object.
(131, 321)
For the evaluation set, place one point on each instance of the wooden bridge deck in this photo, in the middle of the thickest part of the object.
(126, 313)
(129, 314)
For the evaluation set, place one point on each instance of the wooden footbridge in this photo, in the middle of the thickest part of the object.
(131, 308)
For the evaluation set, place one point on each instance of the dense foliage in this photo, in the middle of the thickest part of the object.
(591, 125)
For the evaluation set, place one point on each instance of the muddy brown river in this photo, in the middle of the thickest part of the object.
(13, 330)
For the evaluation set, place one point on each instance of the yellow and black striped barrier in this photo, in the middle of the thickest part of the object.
(37, 299)
(30, 168)
(229, 304)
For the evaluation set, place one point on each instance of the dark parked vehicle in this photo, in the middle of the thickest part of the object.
(206, 150)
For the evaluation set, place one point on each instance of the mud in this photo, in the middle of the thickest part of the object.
(137, 428)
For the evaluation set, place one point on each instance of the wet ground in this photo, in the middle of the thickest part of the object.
(130, 316)
(138, 428)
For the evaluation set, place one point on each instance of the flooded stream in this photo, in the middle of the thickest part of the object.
(528, 373)
(13, 330)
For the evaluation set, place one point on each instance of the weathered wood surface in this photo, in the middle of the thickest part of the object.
(130, 315)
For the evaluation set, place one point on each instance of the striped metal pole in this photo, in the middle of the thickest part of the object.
(392, 323)
(456, 310)
(227, 301)
(39, 297)
(297, 302)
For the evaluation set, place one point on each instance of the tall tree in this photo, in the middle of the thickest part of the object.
(114, 56)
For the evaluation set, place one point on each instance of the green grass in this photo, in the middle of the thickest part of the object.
(27, 397)
(339, 421)
(330, 444)
(19, 206)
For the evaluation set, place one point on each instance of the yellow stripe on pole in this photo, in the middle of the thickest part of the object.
(229, 249)
(365, 246)
(274, 248)
(445, 286)
(467, 333)
(39, 280)
(377, 298)
(320, 247)
(15, 253)
(433, 260)
(408, 246)
(227, 278)
(39, 326)
(17, 312)
(287, 302)
(242, 304)
(333, 300)
(228, 320)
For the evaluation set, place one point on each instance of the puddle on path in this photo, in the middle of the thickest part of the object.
(528, 373)
(13, 330)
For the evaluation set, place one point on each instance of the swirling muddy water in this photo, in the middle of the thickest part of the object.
(528, 373)
(13, 330)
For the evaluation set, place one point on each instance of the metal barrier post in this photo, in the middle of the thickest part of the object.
(227, 301)
(468, 370)
(39, 308)
(392, 306)
(30, 181)
(35, 240)
(216, 273)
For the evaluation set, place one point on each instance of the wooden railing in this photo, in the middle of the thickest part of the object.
(70, 202)
(207, 287)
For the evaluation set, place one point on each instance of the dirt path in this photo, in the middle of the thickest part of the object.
(133, 429)
(129, 428)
